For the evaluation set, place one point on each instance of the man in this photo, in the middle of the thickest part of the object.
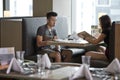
(47, 33)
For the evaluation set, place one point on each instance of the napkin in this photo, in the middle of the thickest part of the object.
(114, 66)
(3, 62)
(6, 54)
(46, 61)
(74, 36)
(14, 65)
(82, 72)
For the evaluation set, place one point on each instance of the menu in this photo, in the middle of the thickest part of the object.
(84, 34)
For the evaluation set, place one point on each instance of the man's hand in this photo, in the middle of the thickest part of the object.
(49, 42)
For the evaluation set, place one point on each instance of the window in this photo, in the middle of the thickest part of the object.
(1, 8)
(21, 8)
(85, 13)
(103, 3)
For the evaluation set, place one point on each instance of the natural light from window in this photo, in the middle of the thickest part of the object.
(84, 15)
(1, 8)
(21, 8)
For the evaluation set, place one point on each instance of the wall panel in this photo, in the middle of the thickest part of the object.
(11, 33)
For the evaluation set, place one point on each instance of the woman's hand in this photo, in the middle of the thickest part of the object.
(80, 35)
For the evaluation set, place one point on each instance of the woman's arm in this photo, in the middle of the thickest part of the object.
(96, 41)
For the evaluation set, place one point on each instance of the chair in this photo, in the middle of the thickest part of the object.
(114, 46)
(29, 29)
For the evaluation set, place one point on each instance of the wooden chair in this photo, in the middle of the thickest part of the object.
(114, 46)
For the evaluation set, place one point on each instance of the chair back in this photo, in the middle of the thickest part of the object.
(114, 46)
(29, 30)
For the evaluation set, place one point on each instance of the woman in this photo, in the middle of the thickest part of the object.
(105, 24)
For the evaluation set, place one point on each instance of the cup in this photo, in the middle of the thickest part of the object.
(40, 63)
(86, 60)
(20, 56)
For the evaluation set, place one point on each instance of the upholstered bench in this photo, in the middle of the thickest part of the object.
(29, 29)
(73, 53)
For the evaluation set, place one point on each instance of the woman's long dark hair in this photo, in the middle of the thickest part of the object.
(105, 22)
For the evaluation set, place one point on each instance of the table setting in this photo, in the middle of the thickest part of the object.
(44, 69)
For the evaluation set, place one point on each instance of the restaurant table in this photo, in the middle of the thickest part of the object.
(63, 72)
(72, 43)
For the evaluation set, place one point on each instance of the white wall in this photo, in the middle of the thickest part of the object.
(63, 8)
(1, 8)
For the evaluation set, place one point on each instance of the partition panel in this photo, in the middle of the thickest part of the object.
(11, 33)
(117, 40)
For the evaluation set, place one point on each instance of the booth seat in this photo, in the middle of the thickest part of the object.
(75, 54)
(29, 29)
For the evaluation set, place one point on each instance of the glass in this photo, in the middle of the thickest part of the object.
(40, 63)
(20, 56)
(86, 60)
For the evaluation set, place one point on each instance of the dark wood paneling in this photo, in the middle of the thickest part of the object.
(117, 40)
(41, 7)
(11, 34)
(0, 32)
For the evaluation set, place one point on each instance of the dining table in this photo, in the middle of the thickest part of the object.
(70, 43)
(58, 71)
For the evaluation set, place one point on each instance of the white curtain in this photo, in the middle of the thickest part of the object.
(1, 8)
(83, 15)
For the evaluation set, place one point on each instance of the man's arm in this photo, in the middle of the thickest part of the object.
(57, 46)
(55, 37)
(40, 41)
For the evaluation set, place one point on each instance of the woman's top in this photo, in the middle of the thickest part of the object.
(106, 41)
